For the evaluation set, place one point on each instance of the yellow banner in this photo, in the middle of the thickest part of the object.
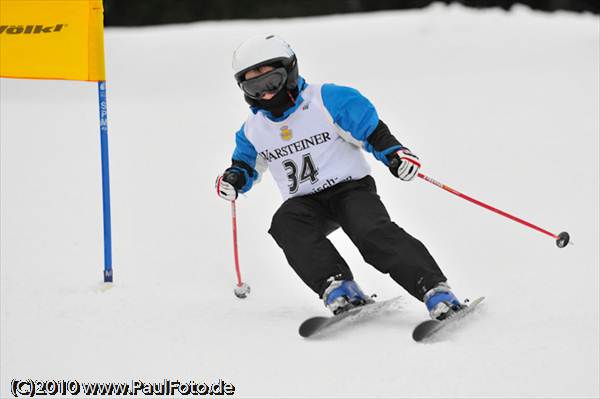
(52, 39)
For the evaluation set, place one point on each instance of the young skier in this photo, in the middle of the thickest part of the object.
(311, 138)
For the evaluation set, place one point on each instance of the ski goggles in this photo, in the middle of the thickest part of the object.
(272, 81)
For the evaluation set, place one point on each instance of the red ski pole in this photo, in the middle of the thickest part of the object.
(562, 239)
(241, 289)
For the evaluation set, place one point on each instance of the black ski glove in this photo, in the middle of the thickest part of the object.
(229, 184)
(404, 164)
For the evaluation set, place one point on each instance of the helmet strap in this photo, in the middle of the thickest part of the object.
(291, 97)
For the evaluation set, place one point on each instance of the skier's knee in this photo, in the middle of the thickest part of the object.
(380, 242)
(276, 226)
(380, 236)
(281, 224)
(297, 225)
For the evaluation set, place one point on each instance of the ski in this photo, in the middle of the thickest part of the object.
(315, 325)
(430, 328)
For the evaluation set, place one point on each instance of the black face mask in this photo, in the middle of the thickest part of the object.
(281, 102)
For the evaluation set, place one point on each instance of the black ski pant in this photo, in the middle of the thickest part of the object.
(301, 225)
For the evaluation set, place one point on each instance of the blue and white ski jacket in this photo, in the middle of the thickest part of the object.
(314, 145)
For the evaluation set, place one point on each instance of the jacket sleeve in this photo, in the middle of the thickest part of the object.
(244, 161)
(355, 114)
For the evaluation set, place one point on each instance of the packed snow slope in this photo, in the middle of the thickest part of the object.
(503, 106)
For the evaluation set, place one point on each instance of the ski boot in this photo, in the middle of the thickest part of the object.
(342, 295)
(441, 302)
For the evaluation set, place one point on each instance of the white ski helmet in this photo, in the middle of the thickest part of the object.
(265, 50)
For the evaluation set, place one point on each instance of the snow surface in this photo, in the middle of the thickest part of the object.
(502, 106)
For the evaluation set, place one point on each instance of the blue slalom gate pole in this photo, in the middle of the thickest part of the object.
(108, 272)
